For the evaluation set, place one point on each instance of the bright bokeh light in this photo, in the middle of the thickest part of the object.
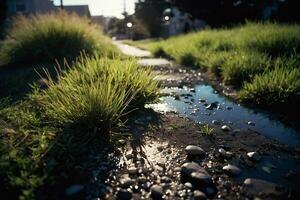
(129, 24)
(167, 18)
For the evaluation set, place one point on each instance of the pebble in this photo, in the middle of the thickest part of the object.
(193, 150)
(253, 156)
(198, 195)
(124, 195)
(129, 156)
(201, 179)
(132, 170)
(215, 122)
(228, 108)
(126, 182)
(232, 170)
(188, 168)
(262, 187)
(156, 192)
(225, 128)
(209, 107)
(165, 179)
(73, 189)
(250, 123)
(188, 185)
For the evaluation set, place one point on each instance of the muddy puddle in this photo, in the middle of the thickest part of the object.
(204, 105)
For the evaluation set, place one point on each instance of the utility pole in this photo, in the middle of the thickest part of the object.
(124, 6)
(61, 4)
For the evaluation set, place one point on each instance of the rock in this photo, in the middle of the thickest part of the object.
(129, 156)
(124, 195)
(192, 90)
(126, 182)
(253, 156)
(215, 122)
(262, 187)
(232, 170)
(188, 168)
(251, 123)
(165, 179)
(198, 195)
(222, 151)
(156, 192)
(160, 148)
(225, 128)
(200, 179)
(132, 170)
(209, 107)
(193, 150)
(202, 100)
(142, 179)
(188, 185)
(73, 189)
(228, 108)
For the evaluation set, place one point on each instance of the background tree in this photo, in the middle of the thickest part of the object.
(2, 16)
(149, 12)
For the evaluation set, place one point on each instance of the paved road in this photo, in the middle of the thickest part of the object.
(132, 51)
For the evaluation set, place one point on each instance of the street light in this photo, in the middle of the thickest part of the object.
(129, 26)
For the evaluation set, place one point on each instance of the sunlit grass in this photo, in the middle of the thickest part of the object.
(44, 38)
(245, 57)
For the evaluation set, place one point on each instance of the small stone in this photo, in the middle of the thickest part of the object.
(262, 187)
(156, 192)
(74, 189)
(129, 156)
(250, 123)
(222, 151)
(160, 148)
(192, 90)
(253, 156)
(200, 179)
(142, 179)
(232, 170)
(193, 150)
(215, 122)
(132, 170)
(198, 195)
(225, 128)
(124, 195)
(126, 182)
(165, 179)
(188, 168)
(188, 185)
(228, 108)
(202, 100)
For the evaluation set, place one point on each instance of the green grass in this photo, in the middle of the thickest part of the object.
(45, 38)
(96, 91)
(245, 57)
(81, 107)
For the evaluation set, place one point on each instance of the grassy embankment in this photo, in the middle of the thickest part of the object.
(46, 133)
(261, 60)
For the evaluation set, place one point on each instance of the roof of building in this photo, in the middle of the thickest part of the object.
(81, 10)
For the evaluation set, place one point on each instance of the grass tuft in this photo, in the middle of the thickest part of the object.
(44, 38)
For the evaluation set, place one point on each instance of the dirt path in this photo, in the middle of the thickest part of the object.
(170, 157)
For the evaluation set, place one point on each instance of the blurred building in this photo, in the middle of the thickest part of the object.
(28, 7)
(177, 22)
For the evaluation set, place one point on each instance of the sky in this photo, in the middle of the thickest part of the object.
(103, 7)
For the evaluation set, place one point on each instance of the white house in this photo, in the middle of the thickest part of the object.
(177, 22)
